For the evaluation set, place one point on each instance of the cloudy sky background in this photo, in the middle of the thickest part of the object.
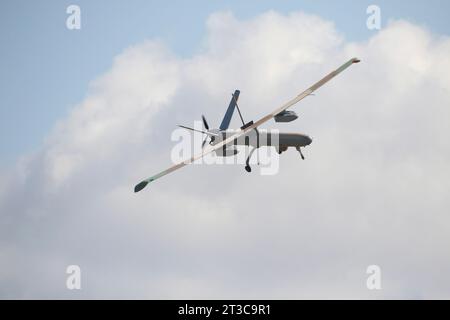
(373, 189)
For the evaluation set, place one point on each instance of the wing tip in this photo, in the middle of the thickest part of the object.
(141, 185)
(356, 60)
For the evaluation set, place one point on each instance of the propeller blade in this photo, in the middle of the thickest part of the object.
(204, 142)
(205, 123)
(201, 131)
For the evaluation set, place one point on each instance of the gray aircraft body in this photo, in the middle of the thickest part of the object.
(223, 141)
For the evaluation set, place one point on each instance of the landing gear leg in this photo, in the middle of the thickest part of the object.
(247, 162)
(299, 149)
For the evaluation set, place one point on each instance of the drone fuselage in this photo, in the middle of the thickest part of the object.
(259, 138)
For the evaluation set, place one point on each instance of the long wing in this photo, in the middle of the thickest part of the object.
(249, 127)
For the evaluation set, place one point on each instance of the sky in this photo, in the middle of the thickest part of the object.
(46, 69)
(86, 114)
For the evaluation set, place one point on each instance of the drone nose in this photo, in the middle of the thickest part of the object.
(308, 140)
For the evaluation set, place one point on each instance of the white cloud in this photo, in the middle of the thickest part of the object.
(372, 191)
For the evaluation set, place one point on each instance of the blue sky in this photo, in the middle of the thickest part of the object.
(46, 68)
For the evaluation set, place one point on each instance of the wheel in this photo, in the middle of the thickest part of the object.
(248, 169)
